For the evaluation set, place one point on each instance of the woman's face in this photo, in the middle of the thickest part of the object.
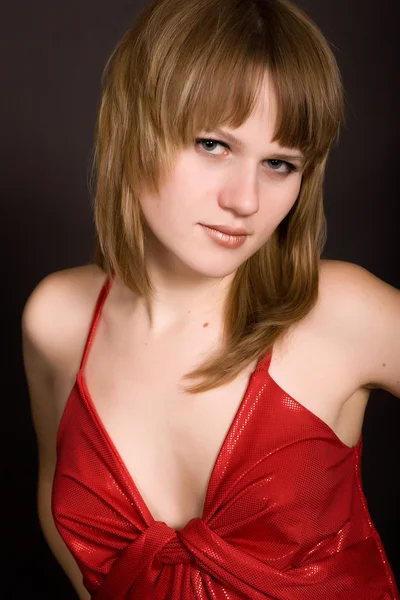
(243, 185)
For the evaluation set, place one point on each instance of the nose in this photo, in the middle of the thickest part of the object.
(240, 193)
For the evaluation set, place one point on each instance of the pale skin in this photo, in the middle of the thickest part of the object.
(347, 345)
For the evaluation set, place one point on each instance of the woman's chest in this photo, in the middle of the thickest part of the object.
(169, 440)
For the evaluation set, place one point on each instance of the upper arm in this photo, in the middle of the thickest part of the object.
(369, 318)
(54, 322)
(40, 355)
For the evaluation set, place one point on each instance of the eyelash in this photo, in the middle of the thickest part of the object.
(291, 167)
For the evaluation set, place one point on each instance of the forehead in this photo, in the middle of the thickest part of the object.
(263, 116)
(265, 109)
(260, 126)
(266, 99)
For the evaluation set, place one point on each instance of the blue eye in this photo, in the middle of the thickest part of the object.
(201, 141)
(290, 168)
(209, 141)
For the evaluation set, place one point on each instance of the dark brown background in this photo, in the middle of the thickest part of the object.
(51, 59)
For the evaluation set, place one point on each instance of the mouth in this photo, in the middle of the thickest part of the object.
(227, 230)
(222, 238)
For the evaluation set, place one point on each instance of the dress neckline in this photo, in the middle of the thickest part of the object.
(262, 364)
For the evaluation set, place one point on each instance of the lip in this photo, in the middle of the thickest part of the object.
(228, 230)
(223, 239)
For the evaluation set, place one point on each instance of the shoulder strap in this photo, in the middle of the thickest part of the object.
(96, 316)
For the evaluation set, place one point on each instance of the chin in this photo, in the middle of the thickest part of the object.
(200, 263)
(212, 268)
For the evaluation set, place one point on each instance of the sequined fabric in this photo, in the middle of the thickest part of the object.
(285, 517)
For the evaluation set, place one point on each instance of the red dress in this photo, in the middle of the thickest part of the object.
(285, 517)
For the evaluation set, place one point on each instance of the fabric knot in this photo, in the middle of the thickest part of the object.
(175, 552)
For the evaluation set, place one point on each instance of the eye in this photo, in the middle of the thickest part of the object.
(210, 142)
(291, 168)
(275, 163)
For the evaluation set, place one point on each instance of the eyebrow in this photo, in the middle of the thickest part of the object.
(240, 144)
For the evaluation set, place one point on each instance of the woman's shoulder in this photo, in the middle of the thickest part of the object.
(57, 313)
(362, 312)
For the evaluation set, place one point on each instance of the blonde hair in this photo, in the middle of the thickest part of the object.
(189, 65)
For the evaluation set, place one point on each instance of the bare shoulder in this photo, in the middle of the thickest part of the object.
(55, 322)
(57, 314)
(364, 311)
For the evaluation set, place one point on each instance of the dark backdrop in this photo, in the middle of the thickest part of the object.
(52, 56)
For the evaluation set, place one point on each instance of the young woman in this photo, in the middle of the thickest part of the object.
(198, 392)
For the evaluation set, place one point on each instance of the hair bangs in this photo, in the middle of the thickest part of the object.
(214, 80)
(216, 84)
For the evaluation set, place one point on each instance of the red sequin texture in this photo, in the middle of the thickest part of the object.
(285, 517)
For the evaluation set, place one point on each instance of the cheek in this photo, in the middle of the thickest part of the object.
(279, 201)
(168, 212)
(289, 196)
(275, 206)
(293, 188)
